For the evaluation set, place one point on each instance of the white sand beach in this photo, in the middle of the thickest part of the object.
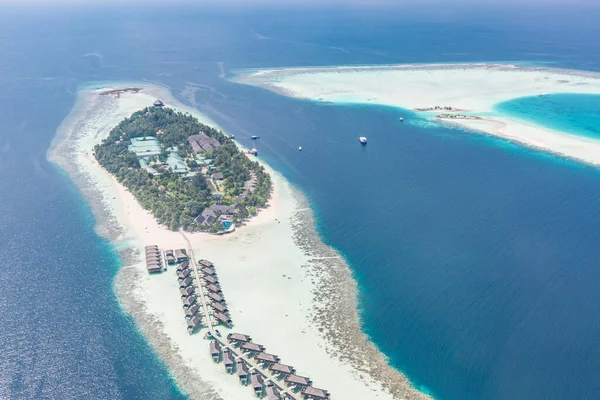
(283, 287)
(475, 88)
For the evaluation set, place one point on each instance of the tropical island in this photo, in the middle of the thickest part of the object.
(188, 175)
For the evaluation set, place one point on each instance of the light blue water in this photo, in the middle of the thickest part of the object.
(577, 114)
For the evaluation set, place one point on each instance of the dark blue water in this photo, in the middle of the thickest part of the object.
(578, 114)
(477, 259)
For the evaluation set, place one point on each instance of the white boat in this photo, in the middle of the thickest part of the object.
(300, 148)
(401, 119)
(255, 137)
(362, 139)
(253, 152)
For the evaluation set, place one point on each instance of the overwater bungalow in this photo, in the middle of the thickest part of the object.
(257, 383)
(219, 307)
(216, 297)
(152, 246)
(170, 256)
(205, 263)
(228, 360)
(272, 392)
(184, 274)
(222, 318)
(154, 267)
(238, 338)
(181, 255)
(297, 380)
(186, 291)
(310, 392)
(282, 369)
(189, 301)
(266, 358)
(213, 288)
(193, 323)
(191, 311)
(242, 371)
(183, 266)
(249, 346)
(210, 279)
(215, 350)
(186, 282)
(152, 252)
(208, 271)
(152, 256)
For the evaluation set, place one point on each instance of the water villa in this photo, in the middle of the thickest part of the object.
(184, 265)
(213, 288)
(272, 392)
(205, 263)
(249, 346)
(153, 267)
(153, 261)
(222, 318)
(186, 282)
(208, 271)
(297, 380)
(219, 307)
(215, 350)
(282, 369)
(185, 292)
(210, 279)
(190, 312)
(181, 275)
(257, 383)
(228, 360)
(266, 358)
(216, 297)
(310, 392)
(238, 338)
(193, 323)
(242, 371)
(189, 301)
(170, 257)
(181, 255)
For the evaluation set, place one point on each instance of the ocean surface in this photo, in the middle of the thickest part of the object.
(477, 259)
(578, 114)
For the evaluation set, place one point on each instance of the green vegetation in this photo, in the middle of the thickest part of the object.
(176, 199)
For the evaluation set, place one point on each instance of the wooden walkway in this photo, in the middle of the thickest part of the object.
(284, 390)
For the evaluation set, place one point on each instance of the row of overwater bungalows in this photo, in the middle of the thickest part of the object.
(187, 287)
(153, 259)
(207, 273)
(176, 256)
(271, 362)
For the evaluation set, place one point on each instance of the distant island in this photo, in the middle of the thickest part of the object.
(457, 116)
(189, 175)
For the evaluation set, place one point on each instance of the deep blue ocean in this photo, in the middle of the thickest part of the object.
(478, 260)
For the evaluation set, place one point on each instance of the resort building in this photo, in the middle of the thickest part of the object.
(154, 267)
(238, 338)
(266, 358)
(182, 266)
(189, 301)
(208, 271)
(205, 263)
(216, 297)
(153, 261)
(211, 213)
(249, 346)
(217, 176)
(257, 383)
(202, 143)
(242, 371)
(297, 380)
(310, 392)
(228, 360)
(213, 288)
(184, 274)
(215, 350)
(170, 257)
(222, 318)
(145, 147)
(282, 369)
(193, 323)
(190, 312)
(186, 282)
(272, 392)
(219, 307)
(210, 279)
(185, 292)
(181, 255)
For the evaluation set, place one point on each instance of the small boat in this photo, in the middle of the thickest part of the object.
(253, 152)
(217, 332)
(362, 140)
(300, 148)
(255, 137)
(401, 119)
(231, 136)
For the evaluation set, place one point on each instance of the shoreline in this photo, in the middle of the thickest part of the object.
(275, 260)
(476, 87)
